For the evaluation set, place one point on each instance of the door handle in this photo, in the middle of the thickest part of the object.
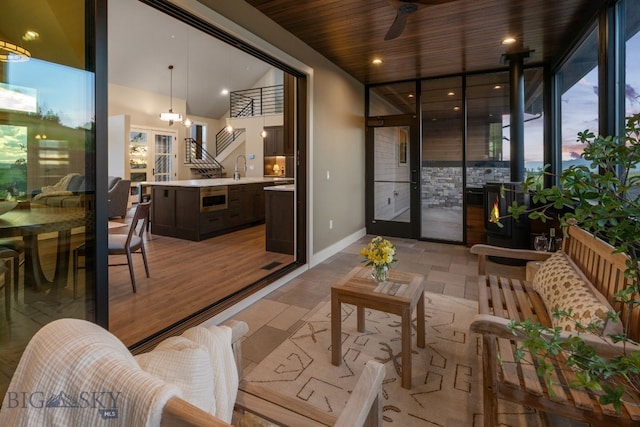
(414, 174)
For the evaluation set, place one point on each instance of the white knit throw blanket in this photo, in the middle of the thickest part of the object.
(75, 373)
(217, 340)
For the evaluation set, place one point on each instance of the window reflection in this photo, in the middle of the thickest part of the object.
(442, 166)
(487, 129)
(392, 99)
(578, 87)
(632, 58)
(46, 131)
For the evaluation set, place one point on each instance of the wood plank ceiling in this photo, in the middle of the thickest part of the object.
(460, 36)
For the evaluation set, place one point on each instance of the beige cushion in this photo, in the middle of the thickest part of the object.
(561, 285)
(180, 361)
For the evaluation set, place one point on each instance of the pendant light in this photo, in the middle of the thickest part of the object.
(187, 121)
(170, 116)
(11, 52)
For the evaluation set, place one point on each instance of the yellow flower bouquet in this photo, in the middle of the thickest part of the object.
(379, 254)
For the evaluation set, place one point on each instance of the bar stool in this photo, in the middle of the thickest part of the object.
(13, 248)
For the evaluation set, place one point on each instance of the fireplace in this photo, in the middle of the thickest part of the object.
(515, 232)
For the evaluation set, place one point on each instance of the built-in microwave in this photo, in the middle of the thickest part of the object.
(213, 198)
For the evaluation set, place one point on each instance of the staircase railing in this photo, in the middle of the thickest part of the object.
(257, 102)
(225, 138)
(200, 159)
(249, 103)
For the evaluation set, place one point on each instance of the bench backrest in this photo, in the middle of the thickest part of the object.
(605, 270)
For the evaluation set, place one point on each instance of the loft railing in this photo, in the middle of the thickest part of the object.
(200, 159)
(225, 138)
(257, 102)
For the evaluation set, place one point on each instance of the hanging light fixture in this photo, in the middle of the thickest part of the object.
(10, 52)
(170, 116)
(187, 122)
(263, 134)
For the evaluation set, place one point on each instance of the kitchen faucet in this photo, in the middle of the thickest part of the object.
(236, 173)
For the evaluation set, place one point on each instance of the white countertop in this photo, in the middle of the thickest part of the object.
(214, 182)
(285, 187)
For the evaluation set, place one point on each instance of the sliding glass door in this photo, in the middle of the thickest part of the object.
(442, 170)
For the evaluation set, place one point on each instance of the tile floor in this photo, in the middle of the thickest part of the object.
(448, 269)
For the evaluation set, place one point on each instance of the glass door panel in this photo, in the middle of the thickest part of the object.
(163, 169)
(442, 215)
(392, 178)
(393, 190)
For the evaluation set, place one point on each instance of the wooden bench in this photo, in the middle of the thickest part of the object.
(502, 299)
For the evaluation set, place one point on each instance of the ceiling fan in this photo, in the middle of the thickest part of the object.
(404, 8)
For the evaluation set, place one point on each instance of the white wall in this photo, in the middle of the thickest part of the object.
(144, 108)
(118, 141)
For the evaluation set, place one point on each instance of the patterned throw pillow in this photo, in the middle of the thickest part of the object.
(561, 287)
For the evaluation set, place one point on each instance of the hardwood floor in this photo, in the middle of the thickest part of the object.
(186, 277)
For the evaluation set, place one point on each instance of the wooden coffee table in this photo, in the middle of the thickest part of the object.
(399, 295)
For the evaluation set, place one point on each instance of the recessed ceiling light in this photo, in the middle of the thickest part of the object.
(456, 108)
(376, 61)
(508, 40)
(450, 93)
(410, 95)
(30, 36)
(224, 92)
(497, 87)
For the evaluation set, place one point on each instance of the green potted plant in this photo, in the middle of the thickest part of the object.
(603, 198)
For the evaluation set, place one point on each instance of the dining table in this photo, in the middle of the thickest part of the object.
(30, 223)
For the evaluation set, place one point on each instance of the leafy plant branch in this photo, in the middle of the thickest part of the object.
(603, 198)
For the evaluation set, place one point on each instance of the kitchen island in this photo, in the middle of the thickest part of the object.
(198, 209)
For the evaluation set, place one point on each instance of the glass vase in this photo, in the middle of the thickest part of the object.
(380, 273)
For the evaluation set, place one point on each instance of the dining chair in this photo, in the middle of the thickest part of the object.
(132, 242)
(6, 284)
(13, 248)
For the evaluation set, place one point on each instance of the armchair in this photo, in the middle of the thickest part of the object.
(118, 196)
(68, 357)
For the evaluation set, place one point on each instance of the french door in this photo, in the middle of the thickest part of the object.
(152, 154)
(393, 177)
(163, 157)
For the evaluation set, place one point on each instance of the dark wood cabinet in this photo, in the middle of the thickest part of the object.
(274, 141)
(176, 211)
(173, 211)
(279, 221)
(475, 225)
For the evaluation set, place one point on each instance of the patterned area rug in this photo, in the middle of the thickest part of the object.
(447, 373)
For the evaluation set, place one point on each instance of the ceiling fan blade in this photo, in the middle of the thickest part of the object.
(401, 20)
(397, 27)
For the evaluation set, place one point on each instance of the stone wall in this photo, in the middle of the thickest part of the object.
(441, 185)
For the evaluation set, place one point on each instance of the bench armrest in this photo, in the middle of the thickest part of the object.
(239, 329)
(484, 251)
(486, 324)
(179, 412)
(364, 407)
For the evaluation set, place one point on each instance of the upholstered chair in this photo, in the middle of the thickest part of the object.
(118, 196)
